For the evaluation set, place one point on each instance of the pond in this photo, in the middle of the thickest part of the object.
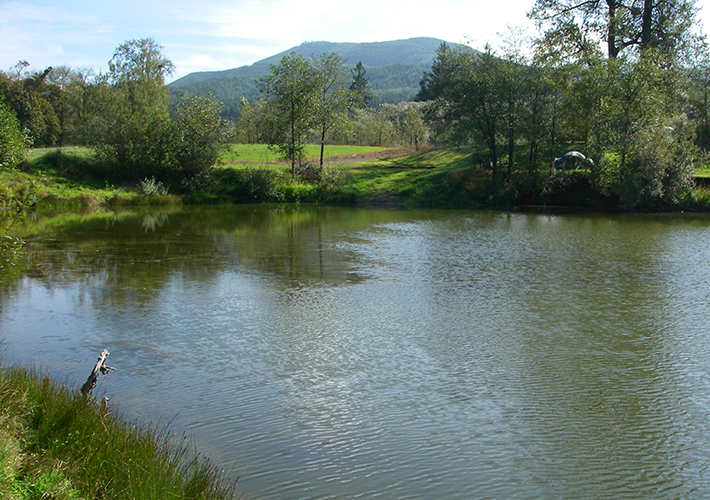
(331, 353)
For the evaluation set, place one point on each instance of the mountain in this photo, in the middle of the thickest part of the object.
(394, 69)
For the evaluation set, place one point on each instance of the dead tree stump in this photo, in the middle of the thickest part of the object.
(101, 367)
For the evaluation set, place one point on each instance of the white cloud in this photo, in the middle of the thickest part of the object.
(293, 21)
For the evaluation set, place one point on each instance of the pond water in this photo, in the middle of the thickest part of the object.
(323, 353)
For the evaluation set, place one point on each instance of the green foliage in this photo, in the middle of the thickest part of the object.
(14, 144)
(575, 30)
(475, 97)
(360, 87)
(55, 443)
(29, 97)
(645, 145)
(151, 187)
(197, 138)
(292, 92)
(246, 185)
(131, 128)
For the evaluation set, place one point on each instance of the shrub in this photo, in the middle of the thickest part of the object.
(151, 187)
(247, 185)
(13, 142)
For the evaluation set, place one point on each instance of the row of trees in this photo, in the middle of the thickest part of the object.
(625, 81)
(316, 101)
(636, 109)
(139, 131)
(125, 115)
(305, 99)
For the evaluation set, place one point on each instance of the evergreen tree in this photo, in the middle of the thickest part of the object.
(360, 86)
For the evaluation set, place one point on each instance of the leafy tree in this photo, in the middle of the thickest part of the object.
(68, 93)
(13, 142)
(334, 100)
(13, 148)
(141, 61)
(471, 97)
(28, 98)
(292, 91)
(401, 123)
(197, 137)
(576, 28)
(131, 125)
(643, 142)
(252, 127)
(698, 85)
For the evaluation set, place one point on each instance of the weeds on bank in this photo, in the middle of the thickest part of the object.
(55, 443)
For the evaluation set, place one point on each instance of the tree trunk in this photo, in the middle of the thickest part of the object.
(100, 367)
(612, 49)
(646, 22)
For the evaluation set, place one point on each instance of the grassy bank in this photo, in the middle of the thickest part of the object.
(57, 444)
(67, 179)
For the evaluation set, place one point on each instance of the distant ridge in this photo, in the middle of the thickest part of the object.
(394, 69)
(421, 50)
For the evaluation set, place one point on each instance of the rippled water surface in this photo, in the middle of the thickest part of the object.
(342, 354)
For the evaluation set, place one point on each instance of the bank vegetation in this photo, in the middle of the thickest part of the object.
(56, 443)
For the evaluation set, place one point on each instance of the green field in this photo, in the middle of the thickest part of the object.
(249, 154)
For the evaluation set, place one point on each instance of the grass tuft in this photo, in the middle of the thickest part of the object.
(56, 444)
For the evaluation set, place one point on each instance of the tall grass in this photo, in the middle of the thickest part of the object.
(56, 444)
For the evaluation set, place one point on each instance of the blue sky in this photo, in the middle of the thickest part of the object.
(209, 35)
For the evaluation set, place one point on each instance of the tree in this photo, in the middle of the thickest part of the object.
(334, 100)
(292, 91)
(197, 137)
(13, 142)
(360, 87)
(577, 27)
(252, 125)
(469, 91)
(698, 85)
(28, 98)
(402, 123)
(68, 93)
(130, 127)
(643, 142)
(140, 60)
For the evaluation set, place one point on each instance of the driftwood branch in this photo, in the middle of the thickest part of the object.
(101, 367)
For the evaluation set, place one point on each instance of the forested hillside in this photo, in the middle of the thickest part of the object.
(394, 69)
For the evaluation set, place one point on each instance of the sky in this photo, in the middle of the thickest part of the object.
(208, 35)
